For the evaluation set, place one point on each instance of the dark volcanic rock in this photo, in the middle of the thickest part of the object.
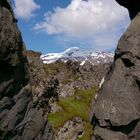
(23, 98)
(117, 108)
(133, 6)
(106, 134)
(13, 63)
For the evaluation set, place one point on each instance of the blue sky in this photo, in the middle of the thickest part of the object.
(55, 25)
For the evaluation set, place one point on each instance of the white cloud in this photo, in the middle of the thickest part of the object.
(25, 8)
(86, 19)
(83, 18)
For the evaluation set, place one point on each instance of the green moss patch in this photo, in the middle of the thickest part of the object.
(77, 105)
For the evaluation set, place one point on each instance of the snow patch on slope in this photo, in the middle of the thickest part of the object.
(75, 54)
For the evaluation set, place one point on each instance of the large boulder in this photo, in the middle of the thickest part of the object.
(23, 95)
(116, 112)
(13, 62)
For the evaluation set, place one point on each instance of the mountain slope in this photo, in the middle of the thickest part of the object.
(75, 54)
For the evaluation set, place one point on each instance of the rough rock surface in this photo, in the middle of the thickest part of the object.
(72, 76)
(71, 130)
(133, 6)
(13, 61)
(22, 115)
(116, 112)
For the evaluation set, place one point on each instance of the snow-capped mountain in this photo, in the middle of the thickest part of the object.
(75, 54)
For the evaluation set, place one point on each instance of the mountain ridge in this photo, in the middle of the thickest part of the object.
(76, 54)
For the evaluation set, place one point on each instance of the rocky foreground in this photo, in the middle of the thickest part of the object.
(116, 112)
(23, 106)
(75, 88)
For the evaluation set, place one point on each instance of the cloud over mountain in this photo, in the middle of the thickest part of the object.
(94, 20)
(83, 18)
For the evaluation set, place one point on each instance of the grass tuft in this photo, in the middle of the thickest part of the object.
(77, 105)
